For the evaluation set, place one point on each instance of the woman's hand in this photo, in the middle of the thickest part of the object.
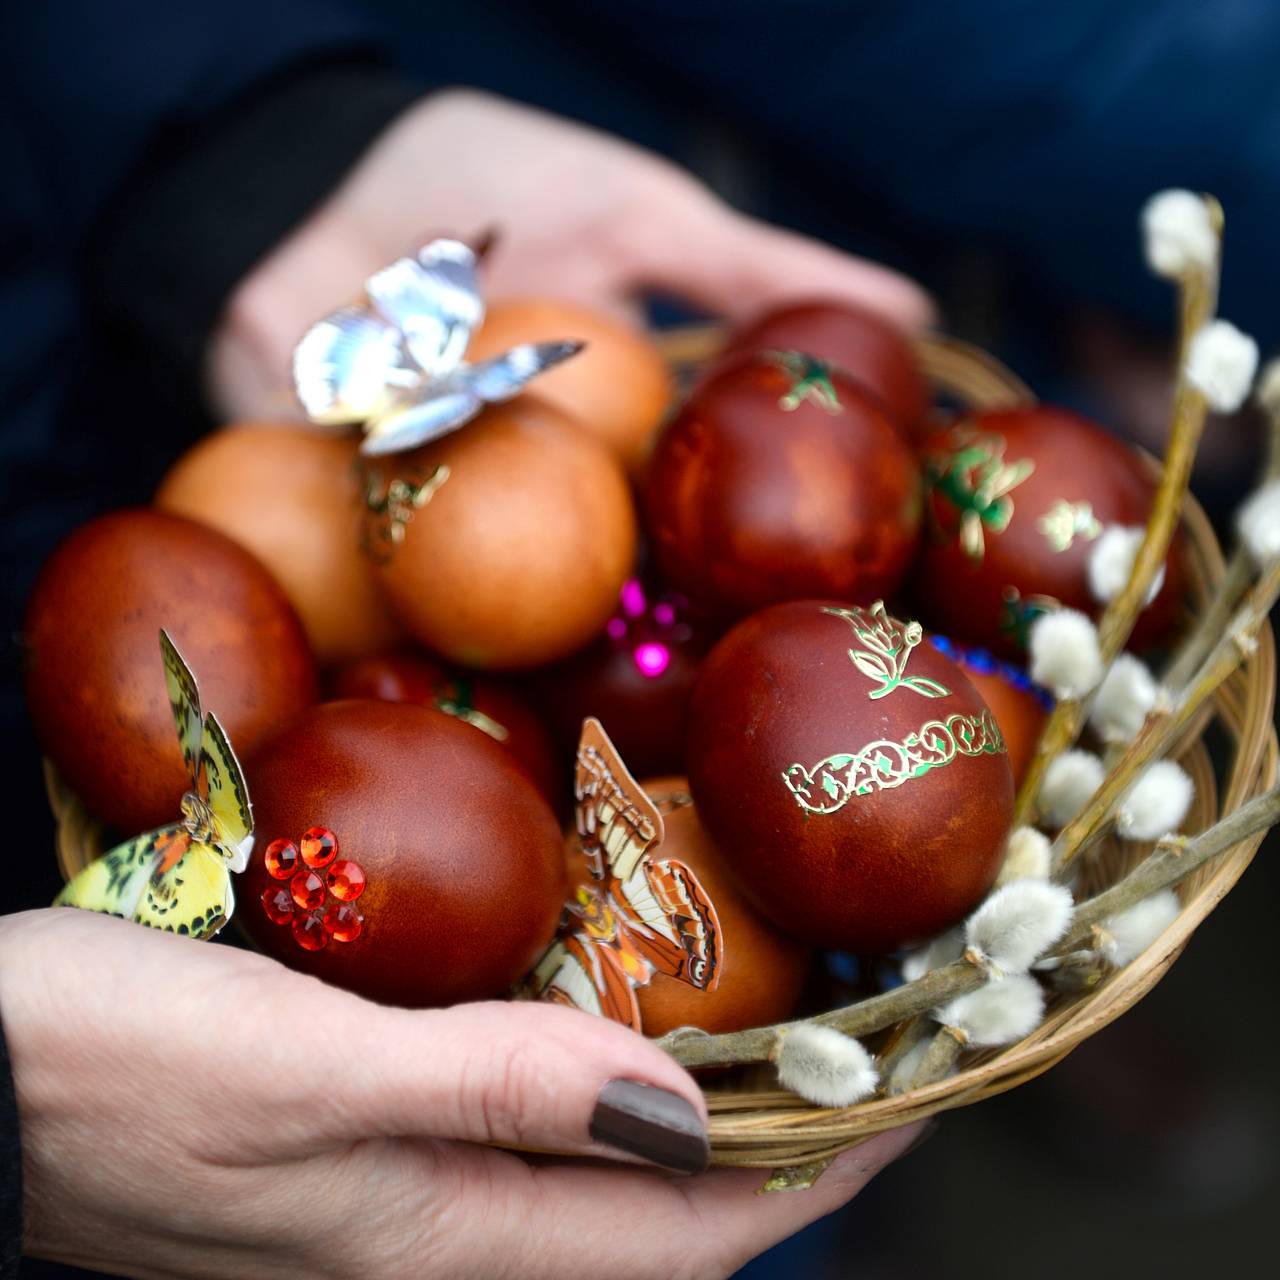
(581, 215)
(196, 1111)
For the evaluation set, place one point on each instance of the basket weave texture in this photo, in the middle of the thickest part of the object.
(753, 1122)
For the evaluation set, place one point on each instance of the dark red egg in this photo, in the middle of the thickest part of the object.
(780, 479)
(636, 680)
(1019, 705)
(853, 777)
(484, 702)
(399, 854)
(94, 677)
(1014, 501)
(863, 344)
(761, 969)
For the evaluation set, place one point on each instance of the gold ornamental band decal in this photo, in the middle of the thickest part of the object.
(882, 765)
(886, 647)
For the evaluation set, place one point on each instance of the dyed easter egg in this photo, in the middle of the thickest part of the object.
(504, 544)
(864, 345)
(291, 495)
(853, 777)
(95, 680)
(399, 854)
(1015, 500)
(781, 478)
(618, 387)
(636, 679)
(485, 703)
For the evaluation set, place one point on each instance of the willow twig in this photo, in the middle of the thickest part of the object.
(861, 1019)
(1235, 580)
(1171, 861)
(940, 1057)
(1197, 300)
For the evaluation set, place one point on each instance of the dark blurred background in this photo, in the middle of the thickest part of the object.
(999, 152)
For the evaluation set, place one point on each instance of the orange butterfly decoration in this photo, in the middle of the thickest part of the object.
(639, 915)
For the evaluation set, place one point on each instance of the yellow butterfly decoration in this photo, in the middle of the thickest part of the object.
(178, 878)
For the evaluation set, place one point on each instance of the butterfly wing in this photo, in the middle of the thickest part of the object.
(351, 367)
(115, 883)
(617, 823)
(444, 404)
(184, 699)
(193, 896)
(580, 972)
(434, 301)
(672, 923)
(228, 795)
(440, 407)
(501, 377)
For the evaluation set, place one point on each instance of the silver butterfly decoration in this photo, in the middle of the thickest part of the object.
(395, 363)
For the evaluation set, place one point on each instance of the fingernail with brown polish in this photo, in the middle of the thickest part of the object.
(654, 1124)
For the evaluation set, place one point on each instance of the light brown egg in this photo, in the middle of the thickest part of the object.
(619, 387)
(290, 494)
(518, 555)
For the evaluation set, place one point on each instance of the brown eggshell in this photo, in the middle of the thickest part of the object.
(866, 346)
(900, 862)
(518, 557)
(1019, 708)
(290, 495)
(405, 676)
(981, 595)
(94, 676)
(461, 856)
(749, 503)
(761, 969)
(618, 387)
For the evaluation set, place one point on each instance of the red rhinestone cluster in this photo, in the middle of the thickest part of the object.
(318, 902)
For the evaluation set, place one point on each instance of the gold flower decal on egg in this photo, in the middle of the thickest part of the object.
(810, 380)
(975, 482)
(1065, 521)
(886, 650)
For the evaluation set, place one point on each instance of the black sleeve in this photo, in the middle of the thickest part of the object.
(10, 1171)
(205, 209)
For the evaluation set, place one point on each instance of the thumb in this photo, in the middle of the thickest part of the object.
(536, 1076)
(737, 266)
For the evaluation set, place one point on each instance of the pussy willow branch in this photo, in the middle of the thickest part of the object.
(1169, 718)
(1168, 864)
(1239, 572)
(1197, 300)
(940, 1057)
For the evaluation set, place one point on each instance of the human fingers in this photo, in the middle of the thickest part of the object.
(738, 266)
(527, 1075)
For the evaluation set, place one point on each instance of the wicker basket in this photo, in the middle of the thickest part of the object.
(753, 1123)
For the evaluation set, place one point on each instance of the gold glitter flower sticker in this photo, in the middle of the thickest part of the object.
(886, 649)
